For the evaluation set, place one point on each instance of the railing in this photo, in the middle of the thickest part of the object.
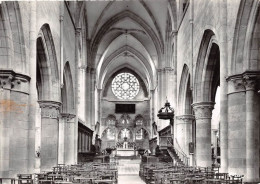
(165, 141)
(185, 159)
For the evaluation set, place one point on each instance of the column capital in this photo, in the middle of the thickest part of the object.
(203, 110)
(67, 116)
(243, 81)
(11, 80)
(249, 83)
(49, 109)
(186, 118)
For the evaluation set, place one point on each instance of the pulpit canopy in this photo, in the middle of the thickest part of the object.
(166, 112)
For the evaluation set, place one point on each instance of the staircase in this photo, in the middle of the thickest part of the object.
(175, 151)
(174, 155)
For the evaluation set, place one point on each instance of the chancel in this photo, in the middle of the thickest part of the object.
(130, 91)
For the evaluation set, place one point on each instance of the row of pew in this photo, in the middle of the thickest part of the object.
(167, 173)
(87, 173)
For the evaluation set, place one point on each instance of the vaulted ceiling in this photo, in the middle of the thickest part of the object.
(127, 34)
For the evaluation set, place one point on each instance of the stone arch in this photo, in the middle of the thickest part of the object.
(251, 51)
(119, 17)
(125, 69)
(13, 37)
(43, 79)
(110, 120)
(47, 65)
(137, 55)
(242, 43)
(207, 69)
(67, 93)
(104, 133)
(185, 94)
(173, 13)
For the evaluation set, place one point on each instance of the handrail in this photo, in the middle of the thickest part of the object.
(181, 153)
(179, 147)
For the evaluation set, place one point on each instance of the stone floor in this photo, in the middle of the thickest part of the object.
(128, 171)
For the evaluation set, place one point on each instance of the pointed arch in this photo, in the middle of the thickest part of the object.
(207, 69)
(11, 25)
(67, 92)
(185, 95)
(47, 65)
(150, 69)
(119, 17)
(125, 69)
(247, 14)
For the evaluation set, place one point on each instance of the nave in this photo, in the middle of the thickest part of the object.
(84, 82)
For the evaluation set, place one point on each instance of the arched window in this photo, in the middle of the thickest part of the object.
(139, 120)
(139, 134)
(125, 86)
(125, 133)
(111, 120)
(108, 134)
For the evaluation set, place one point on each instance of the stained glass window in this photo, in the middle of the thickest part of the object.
(125, 86)
(139, 134)
(108, 134)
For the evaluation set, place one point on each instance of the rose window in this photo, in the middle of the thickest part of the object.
(125, 86)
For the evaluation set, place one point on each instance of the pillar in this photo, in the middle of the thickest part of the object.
(184, 130)
(236, 126)
(252, 131)
(203, 114)
(14, 125)
(34, 143)
(49, 134)
(90, 95)
(223, 132)
(66, 138)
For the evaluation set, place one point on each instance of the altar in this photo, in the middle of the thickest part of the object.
(125, 152)
(125, 148)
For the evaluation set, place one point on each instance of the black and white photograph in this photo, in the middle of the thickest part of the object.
(129, 91)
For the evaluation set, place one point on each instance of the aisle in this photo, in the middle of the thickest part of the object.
(128, 172)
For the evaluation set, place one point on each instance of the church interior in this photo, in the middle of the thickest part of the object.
(130, 91)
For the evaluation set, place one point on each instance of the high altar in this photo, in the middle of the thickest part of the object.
(125, 148)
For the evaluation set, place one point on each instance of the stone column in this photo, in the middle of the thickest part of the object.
(70, 147)
(49, 133)
(15, 125)
(66, 138)
(185, 126)
(90, 106)
(236, 126)
(252, 131)
(203, 114)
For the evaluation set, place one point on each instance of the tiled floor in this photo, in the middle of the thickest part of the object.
(128, 172)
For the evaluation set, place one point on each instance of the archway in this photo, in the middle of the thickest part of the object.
(66, 122)
(108, 138)
(185, 126)
(47, 83)
(207, 79)
(243, 101)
